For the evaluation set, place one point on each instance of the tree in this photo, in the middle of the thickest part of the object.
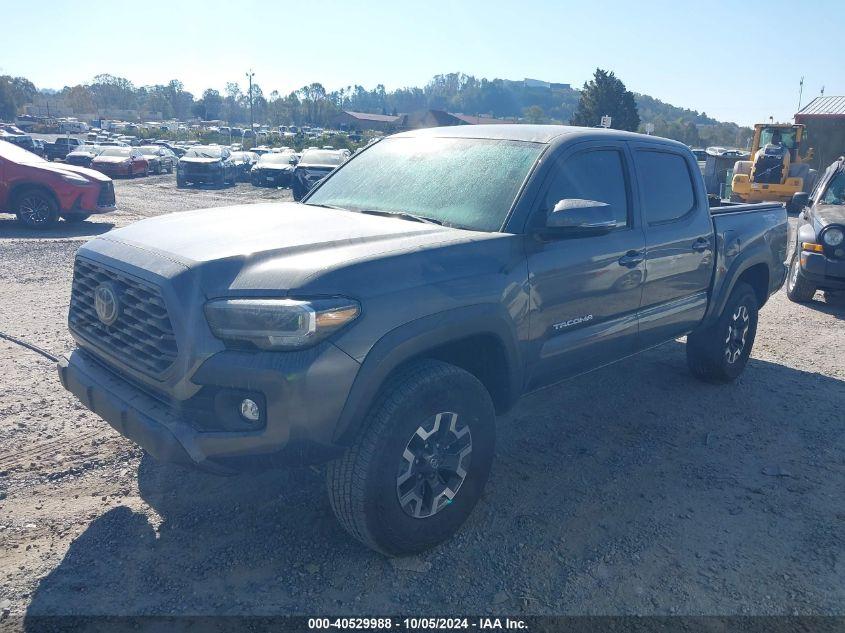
(209, 106)
(534, 114)
(79, 99)
(8, 107)
(606, 94)
(14, 92)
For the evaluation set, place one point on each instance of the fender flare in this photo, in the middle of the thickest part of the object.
(22, 185)
(744, 261)
(412, 340)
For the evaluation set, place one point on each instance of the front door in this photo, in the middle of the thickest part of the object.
(585, 291)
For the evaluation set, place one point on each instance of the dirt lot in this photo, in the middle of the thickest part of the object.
(633, 490)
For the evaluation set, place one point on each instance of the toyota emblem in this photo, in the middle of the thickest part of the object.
(106, 304)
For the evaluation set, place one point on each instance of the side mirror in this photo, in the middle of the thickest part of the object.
(581, 217)
(800, 200)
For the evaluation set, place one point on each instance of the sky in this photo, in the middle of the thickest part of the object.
(737, 61)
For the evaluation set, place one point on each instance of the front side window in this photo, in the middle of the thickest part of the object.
(469, 183)
(665, 185)
(592, 175)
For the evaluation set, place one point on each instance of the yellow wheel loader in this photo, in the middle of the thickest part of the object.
(777, 169)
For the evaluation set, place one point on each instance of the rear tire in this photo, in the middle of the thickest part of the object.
(798, 289)
(36, 208)
(429, 439)
(719, 352)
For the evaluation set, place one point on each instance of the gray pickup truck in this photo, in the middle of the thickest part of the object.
(418, 291)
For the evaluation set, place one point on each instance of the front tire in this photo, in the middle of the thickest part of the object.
(719, 352)
(420, 461)
(36, 209)
(798, 289)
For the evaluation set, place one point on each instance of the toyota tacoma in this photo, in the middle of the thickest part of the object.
(419, 290)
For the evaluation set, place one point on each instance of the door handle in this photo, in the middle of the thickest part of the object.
(700, 245)
(632, 259)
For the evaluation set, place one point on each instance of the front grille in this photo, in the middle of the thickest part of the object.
(142, 336)
(199, 168)
(106, 197)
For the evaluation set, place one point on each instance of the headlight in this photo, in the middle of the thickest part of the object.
(279, 323)
(74, 179)
(833, 236)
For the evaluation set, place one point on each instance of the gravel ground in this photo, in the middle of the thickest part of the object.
(633, 490)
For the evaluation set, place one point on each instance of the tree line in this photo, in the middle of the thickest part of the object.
(454, 92)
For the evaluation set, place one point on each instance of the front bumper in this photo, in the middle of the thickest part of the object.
(98, 198)
(824, 272)
(302, 393)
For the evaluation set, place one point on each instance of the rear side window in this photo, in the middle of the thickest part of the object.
(592, 175)
(666, 186)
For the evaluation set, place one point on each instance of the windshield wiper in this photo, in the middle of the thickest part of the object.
(403, 215)
(329, 206)
(394, 214)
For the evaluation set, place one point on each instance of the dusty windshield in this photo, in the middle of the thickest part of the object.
(204, 152)
(778, 136)
(115, 151)
(275, 159)
(469, 183)
(835, 192)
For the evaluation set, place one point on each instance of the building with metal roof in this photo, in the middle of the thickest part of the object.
(823, 107)
(824, 117)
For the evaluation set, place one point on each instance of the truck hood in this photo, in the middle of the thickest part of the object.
(279, 247)
(829, 214)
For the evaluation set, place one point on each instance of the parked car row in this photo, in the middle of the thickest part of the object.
(220, 165)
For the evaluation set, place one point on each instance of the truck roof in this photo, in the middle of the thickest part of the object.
(533, 133)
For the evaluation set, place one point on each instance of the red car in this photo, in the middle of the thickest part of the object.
(121, 161)
(39, 192)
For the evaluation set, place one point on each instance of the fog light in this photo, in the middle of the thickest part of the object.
(250, 410)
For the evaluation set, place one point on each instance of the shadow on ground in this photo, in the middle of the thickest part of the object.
(11, 228)
(633, 490)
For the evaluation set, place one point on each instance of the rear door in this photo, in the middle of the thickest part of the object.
(679, 242)
(585, 291)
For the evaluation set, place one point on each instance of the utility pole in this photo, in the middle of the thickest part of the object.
(249, 76)
(800, 93)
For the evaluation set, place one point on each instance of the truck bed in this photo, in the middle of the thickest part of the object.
(753, 232)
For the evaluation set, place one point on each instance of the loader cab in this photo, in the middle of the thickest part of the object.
(789, 136)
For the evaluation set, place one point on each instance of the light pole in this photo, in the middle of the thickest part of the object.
(800, 92)
(249, 76)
